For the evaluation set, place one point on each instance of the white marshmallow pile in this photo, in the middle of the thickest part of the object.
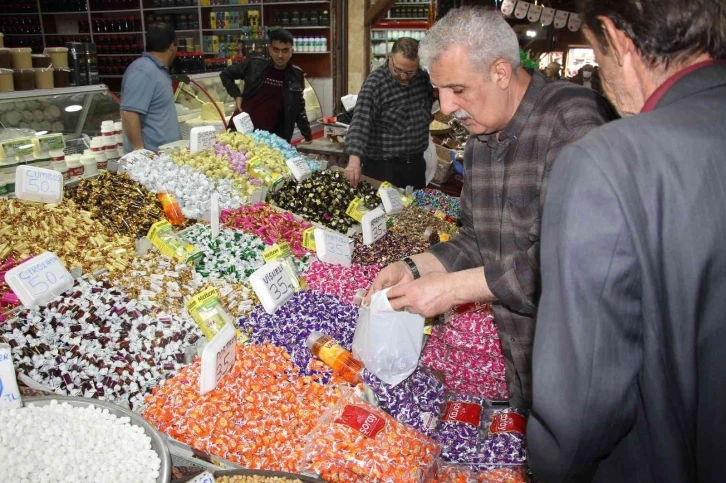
(62, 443)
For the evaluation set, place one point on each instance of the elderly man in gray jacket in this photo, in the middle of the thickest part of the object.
(629, 360)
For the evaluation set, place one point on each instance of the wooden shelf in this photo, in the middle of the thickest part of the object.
(116, 11)
(85, 12)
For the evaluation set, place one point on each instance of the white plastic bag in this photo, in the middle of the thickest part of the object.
(432, 160)
(387, 342)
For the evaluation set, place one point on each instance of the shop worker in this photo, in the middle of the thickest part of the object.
(519, 121)
(273, 89)
(147, 99)
(390, 128)
(629, 357)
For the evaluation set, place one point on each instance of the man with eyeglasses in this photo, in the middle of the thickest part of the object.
(390, 128)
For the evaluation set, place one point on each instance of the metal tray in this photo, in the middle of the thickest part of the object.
(271, 474)
(157, 442)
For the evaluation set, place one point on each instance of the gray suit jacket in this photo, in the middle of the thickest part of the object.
(630, 346)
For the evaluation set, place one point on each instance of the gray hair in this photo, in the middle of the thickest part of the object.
(484, 32)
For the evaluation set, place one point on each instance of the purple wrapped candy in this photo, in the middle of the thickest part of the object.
(459, 430)
(416, 401)
(506, 442)
(292, 323)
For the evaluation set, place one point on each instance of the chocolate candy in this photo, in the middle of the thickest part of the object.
(388, 249)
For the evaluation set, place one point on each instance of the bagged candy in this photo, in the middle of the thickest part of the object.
(459, 431)
(356, 442)
(450, 473)
(506, 441)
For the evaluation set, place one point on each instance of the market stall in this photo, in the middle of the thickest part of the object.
(182, 290)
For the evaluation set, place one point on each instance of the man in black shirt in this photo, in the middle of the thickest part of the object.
(390, 128)
(273, 90)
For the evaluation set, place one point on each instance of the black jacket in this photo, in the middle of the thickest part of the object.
(253, 72)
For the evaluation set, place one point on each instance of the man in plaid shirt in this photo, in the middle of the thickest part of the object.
(519, 121)
(390, 128)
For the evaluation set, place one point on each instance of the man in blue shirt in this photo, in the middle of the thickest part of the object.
(147, 99)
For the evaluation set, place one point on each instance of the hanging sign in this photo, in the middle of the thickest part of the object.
(574, 23)
(521, 10)
(548, 15)
(535, 12)
(561, 19)
(508, 7)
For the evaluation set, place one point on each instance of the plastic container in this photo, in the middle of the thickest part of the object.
(75, 169)
(6, 60)
(101, 160)
(58, 56)
(44, 78)
(171, 208)
(42, 159)
(62, 77)
(97, 144)
(22, 57)
(58, 163)
(90, 166)
(24, 79)
(6, 80)
(335, 356)
(40, 61)
(118, 132)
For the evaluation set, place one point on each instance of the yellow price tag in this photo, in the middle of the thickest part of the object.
(356, 210)
(278, 250)
(309, 238)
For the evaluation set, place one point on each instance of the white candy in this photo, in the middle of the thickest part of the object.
(60, 442)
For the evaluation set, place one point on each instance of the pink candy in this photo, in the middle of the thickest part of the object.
(340, 281)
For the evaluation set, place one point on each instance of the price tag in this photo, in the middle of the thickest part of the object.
(202, 138)
(218, 358)
(39, 280)
(278, 250)
(9, 393)
(38, 184)
(272, 285)
(15, 147)
(374, 226)
(349, 101)
(333, 247)
(205, 477)
(299, 168)
(214, 215)
(258, 195)
(392, 201)
(309, 239)
(243, 123)
(51, 141)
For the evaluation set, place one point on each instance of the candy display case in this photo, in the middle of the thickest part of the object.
(72, 111)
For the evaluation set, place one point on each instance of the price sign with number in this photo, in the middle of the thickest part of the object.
(205, 477)
(272, 285)
(38, 184)
(218, 358)
(243, 123)
(202, 138)
(392, 201)
(39, 280)
(299, 168)
(333, 247)
(374, 226)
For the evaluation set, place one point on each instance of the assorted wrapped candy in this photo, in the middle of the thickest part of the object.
(459, 429)
(356, 442)
(94, 341)
(390, 248)
(258, 416)
(452, 473)
(416, 401)
(506, 441)
(343, 282)
(414, 222)
(437, 201)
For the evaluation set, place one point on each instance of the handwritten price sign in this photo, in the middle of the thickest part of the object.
(202, 138)
(218, 358)
(392, 201)
(272, 285)
(374, 226)
(39, 280)
(243, 123)
(332, 247)
(299, 168)
(38, 184)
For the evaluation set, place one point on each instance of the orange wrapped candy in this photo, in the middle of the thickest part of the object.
(258, 416)
(495, 474)
(356, 442)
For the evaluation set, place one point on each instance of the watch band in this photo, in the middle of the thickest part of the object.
(412, 266)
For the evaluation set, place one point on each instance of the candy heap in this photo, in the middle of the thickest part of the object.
(414, 221)
(214, 167)
(258, 416)
(324, 198)
(95, 342)
(276, 142)
(388, 249)
(291, 325)
(435, 200)
(343, 282)
(28, 229)
(506, 440)
(356, 442)
(269, 224)
(467, 351)
(252, 148)
(118, 202)
(8, 299)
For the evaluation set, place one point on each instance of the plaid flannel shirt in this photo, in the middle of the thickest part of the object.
(391, 119)
(501, 207)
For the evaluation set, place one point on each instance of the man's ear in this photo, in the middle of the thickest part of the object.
(620, 44)
(501, 73)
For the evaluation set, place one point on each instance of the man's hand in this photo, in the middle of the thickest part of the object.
(393, 274)
(429, 296)
(238, 103)
(352, 171)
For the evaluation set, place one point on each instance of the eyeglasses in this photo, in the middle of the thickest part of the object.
(401, 72)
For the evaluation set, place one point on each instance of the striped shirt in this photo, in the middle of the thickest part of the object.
(391, 119)
(501, 207)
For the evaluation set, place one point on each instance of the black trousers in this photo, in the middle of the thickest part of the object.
(401, 171)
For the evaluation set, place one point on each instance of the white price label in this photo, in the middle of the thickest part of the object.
(9, 393)
(299, 168)
(392, 201)
(374, 226)
(38, 184)
(202, 138)
(333, 247)
(218, 358)
(272, 285)
(214, 215)
(243, 123)
(39, 280)
(349, 101)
